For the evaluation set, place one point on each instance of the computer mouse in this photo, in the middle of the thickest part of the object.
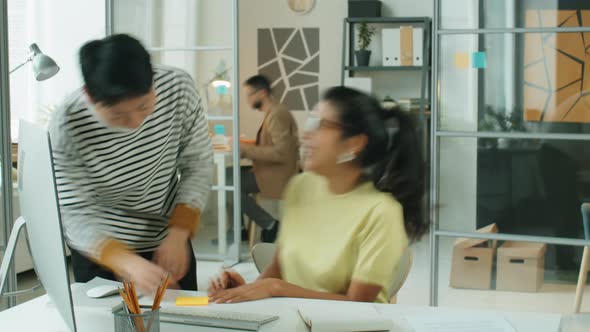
(103, 291)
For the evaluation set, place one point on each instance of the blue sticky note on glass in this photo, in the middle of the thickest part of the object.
(478, 60)
(219, 129)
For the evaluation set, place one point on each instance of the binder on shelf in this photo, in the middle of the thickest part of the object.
(391, 40)
(407, 45)
(418, 44)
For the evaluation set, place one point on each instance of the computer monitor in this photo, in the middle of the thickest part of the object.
(40, 211)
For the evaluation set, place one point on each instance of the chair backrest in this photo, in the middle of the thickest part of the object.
(586, 219)
(402, 272)
(262, 254)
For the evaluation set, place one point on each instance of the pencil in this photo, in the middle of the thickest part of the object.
(158, 299)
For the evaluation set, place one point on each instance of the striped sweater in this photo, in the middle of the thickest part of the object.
(125, 185)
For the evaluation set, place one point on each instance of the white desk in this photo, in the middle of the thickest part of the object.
(40, 315)
(219, 159)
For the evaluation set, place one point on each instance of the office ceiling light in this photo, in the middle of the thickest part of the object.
(221, 83)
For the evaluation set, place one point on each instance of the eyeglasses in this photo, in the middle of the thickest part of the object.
(253, 92)
(315, 123)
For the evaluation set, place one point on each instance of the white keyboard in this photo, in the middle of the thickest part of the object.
(215, 318)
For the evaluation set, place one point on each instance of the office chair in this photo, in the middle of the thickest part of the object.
(273, 207)
(262, 254)
(405, 264)
(585, 265)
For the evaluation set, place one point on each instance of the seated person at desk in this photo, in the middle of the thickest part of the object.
(133, 166)
(348, 219)
(275, 156)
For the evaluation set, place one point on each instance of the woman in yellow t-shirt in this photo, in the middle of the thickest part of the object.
(348, 219)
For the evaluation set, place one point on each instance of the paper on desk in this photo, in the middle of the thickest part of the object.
(343, 317)
(459, 323)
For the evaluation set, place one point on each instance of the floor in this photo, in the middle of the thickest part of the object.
(552, 297)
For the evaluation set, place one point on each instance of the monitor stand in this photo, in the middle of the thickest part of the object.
(19, 225)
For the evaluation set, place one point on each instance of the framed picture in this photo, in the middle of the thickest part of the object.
(556, 75)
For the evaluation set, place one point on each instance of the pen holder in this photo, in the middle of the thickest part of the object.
(148, 321)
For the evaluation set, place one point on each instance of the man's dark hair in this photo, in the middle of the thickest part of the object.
(116, 68)
(259, 82)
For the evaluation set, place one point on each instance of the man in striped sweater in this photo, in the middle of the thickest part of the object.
(133, 165)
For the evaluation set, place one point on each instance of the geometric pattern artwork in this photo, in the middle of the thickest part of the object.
(290, 59)
(557, 68)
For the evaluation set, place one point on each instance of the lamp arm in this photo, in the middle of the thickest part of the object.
(22, 64)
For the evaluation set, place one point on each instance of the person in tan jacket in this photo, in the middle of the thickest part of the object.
(275, 156)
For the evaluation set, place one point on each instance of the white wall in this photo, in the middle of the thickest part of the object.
(60, 28)
(255, 14)
(328, 16)
(459, 157)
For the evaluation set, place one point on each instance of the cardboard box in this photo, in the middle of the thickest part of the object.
(521, 266)
(472, 261)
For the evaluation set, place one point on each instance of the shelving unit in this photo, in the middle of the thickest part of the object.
(424, 118)
(382, 68)
(349, 69)
(348, 42)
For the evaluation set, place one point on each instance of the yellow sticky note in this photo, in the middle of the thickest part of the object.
(461, 60)
(185, 301)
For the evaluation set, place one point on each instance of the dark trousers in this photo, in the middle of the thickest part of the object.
(86, 270)
(249, 206)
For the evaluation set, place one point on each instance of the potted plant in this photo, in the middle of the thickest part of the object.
(501, 120)
(365, 35)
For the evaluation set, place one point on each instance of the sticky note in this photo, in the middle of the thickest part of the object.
(186, 301)
(478, 60)
(221, 90)
(219, 129)
(461, 60)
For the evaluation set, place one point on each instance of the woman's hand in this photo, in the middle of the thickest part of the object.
(226, 280)
(260, 289)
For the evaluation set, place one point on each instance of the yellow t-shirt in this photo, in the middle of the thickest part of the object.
(328, 240)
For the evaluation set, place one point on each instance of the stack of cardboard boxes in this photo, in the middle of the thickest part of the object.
(520, 266)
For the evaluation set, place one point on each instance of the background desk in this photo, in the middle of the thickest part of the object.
(223, 159)
(40, 315)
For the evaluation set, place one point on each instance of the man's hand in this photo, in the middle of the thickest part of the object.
(146, 275)
(173, 254)
(243, 150)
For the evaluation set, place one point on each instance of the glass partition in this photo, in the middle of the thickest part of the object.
(181, 34)
(510, 140)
